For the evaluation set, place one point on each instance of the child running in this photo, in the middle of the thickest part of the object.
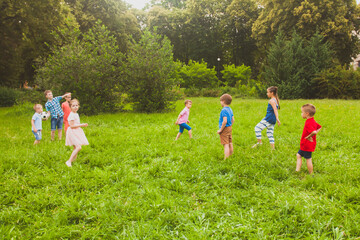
(308, 138)
(75, 136)
(183, 120)
(272, 116)
(36, 123)
(225, 125)
(65, 106)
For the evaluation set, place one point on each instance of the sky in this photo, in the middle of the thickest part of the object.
(139, 4)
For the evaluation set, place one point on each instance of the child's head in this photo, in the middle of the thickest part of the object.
(225, 99)
(48, 94)
(308, 110)
(273, 92)
(68, 97)
(74, 105)
(38, 108)
(188, 103)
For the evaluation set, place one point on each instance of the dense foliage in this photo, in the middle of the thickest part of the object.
(198, 75)
(232, 75)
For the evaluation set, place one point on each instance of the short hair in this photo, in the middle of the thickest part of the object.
(187, 101)
(47, 91)
(309, 108)
(36, 106)
(226, 98)
(73, 101)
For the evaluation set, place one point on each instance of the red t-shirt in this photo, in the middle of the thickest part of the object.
(310, 126)
(66, 109)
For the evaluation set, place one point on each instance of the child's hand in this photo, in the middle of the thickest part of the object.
(218, 131)
(187, 121)
(176, 123)
(278, 122)
(85, 125)
(35, 130)
(310, 139)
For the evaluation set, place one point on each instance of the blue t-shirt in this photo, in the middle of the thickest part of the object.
(37, 121)
(270, 114)
(226, 112)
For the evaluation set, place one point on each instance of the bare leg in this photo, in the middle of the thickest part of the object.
(310, 165)
(59, 133)
(226, 151)
(272, 145)
(73, 155)
(36, 142)
(231, 148)
(298, 162)
(52, 135)
(178, 135)
(190, 134)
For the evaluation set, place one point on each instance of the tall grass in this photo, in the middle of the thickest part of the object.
(134, 182)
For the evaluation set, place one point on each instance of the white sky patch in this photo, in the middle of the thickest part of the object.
(140, 4)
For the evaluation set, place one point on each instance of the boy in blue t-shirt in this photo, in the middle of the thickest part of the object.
(225, 125)
(36, 123)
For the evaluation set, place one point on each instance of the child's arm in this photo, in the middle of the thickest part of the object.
(33, 125)
(232, 120)
(223, 125)
(309, 137)
(65, 95)
(177, 120)
(73, 125)
(273, 104)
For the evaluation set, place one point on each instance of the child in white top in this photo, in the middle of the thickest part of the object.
(75, 136)
(183, 120)
(36, 123)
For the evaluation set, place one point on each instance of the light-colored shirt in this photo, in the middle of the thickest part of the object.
(184, 115)
(54, 107)
(37, 121)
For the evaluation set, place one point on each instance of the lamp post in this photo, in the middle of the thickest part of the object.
(218, 67)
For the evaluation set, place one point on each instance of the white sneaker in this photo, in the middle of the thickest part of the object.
(68, 163)
(256, 145)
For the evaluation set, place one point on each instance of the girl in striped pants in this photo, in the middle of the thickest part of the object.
(272, 116)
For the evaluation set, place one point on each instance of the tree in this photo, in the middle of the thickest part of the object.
(336, 20)
(198, 75)
(233, 75)
(150, 73)
(89, 66)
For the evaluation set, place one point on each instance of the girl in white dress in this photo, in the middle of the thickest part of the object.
(75, 136)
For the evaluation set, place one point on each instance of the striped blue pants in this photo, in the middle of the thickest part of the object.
(270, 130)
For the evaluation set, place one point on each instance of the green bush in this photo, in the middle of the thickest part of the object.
(25, 108)
(198, 75)
(8, 97)
(338, 82)
(233, 75)
(30, 95)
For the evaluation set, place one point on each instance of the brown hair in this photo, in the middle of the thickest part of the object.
(35, 106)
(47, 91)
(226, 98)
(187, 101)
(73, 101)
(274, 90)
(309, 108)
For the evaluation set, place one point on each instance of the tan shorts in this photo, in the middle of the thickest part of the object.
(226, 135)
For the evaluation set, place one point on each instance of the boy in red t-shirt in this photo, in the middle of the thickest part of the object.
(308, 138)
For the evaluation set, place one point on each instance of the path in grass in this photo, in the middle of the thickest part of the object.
(134, 182)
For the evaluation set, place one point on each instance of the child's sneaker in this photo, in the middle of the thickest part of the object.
(256, 145)
(68, 163)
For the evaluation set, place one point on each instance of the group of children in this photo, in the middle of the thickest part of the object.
(65, 114)
(308, 138)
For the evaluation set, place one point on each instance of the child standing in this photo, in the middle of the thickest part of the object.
(183, 120)
(36, 123)
(308, 137)
(272, 116)
(65, 106)
(75, 136)
(54, 109)
(225, 125)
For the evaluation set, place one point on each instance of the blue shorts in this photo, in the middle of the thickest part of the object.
(37, 135)
(56, 123)
(305, 154)
(182, 126)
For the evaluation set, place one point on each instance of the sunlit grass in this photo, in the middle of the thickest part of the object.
(134, 182)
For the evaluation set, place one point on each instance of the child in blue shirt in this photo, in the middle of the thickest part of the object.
(36, 123)
(225, 125)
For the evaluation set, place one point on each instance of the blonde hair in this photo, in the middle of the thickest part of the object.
(47, 91)
(274, 90)
(73, 101)
(37, 105)
(309, 108)
(226, 98)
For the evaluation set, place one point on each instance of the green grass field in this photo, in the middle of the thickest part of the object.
(134, 182)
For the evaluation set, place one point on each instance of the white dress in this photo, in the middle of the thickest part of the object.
(75, 136)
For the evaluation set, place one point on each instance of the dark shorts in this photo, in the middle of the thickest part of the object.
(56, 123)
(184, 126)
(37, 135)
(305, 154)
